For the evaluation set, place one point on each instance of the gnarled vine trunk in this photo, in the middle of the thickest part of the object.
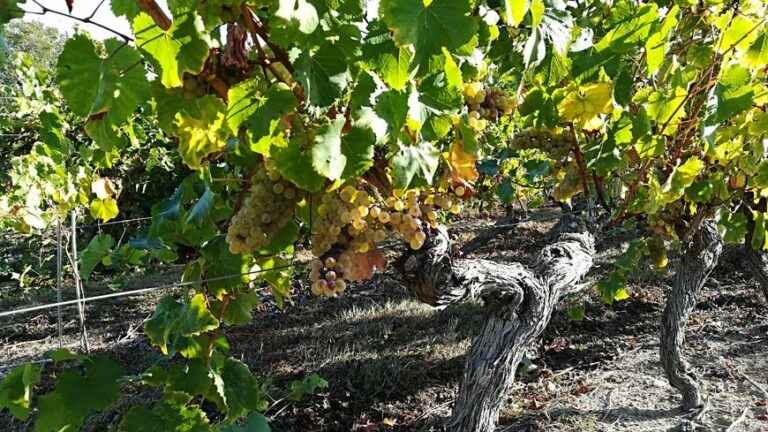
(519, 302)
(695, 266)
(757, 260)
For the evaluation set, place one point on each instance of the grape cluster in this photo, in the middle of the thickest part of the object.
(555, 145)
(349, 218)
(267, 207)
(414, 211)
(325, 279)
(350, 222)
(486, 103)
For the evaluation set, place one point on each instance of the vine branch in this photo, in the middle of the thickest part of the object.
(85, 20)
(156, 12)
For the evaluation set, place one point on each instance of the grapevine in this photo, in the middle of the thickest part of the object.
(343, 125)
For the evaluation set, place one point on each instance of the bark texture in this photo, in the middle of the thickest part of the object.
(758, 265)
(518, 300)
(695, 266)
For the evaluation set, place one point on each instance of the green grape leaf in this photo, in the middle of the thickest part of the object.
(412, 160)
(240, 308)
(201, 127)
(170, 414)
(202, 207)
(632, 29)
(657, 43)
(327, 158)
(682, 176)
(295, 164)
(220, 262)
(667, 109)
(322, 75)
(62, 354)
(382, 56)
(515, 11)
(759, 240)
(242, 391)
(610, 286)
(309, 385)
(736, 31)
(192, 377)
(732, 226)
(362, 92)
(394, 68)
(392, 107)
(98, 248)
(756, 56)
(357, 146)
(243, 100)
(105, 135)
(263, 125)
(16, 389)
(700, 191)
(182, 48)
(584, 105)
(277, 272)
(111, 87)
(576, 313)
(160, 326)
(429, 26)
(256, 423)
(506, 191)
(734, 92)
(437, 93)
(126, 8)
(67, 406)
(173, 323)
(9, 9)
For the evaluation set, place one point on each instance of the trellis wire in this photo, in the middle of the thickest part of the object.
(83, 300)
(142, 290)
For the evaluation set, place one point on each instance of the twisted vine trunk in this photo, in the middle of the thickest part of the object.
(758, 263)
(694, 268)
(519, 302)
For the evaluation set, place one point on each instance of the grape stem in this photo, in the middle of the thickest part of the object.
(156, 12)
(579, 159)
(215, 333)
(254, 26)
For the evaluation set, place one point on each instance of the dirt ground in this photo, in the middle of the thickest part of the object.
(395, 364)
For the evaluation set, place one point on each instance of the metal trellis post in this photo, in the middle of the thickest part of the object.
(59, 254)
(79, 287)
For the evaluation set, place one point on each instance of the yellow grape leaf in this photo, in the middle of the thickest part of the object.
(584, 105)
(570, 185)
(202, 130)
(621, 294)
(104, 209)
(463, 164)
(103, 188)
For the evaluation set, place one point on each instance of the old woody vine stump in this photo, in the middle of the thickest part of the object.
(518, 301)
